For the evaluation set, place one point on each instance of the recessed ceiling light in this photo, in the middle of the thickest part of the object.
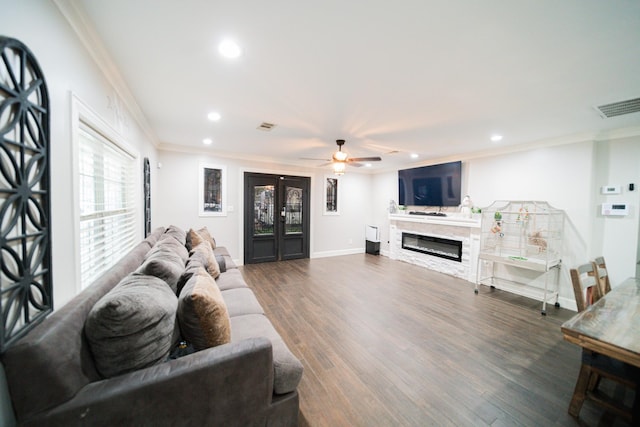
(207, 141)
(214, 116)
(229, 49)
(496, 138)
(414, 156)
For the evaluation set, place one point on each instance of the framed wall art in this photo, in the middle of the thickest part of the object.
(212, 193)
(330, 199)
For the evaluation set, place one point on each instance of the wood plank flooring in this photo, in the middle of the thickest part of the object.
(385, 343)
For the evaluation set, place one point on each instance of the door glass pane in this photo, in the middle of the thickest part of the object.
(263, 204)
(293, 203)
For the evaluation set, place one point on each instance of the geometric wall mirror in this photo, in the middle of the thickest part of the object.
(25, 203)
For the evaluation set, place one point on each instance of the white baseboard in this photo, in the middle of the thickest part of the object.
(568, 303)
(341, 252)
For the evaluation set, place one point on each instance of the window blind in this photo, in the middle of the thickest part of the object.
(107, 203)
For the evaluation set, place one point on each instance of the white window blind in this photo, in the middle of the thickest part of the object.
(107, 203)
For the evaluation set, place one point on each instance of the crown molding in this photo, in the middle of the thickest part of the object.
(78, 20)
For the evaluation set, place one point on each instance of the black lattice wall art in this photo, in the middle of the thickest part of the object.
(25, 220)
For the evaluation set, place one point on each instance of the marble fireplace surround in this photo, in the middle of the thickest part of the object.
(465, 230)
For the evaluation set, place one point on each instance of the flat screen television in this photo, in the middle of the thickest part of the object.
(434, 185)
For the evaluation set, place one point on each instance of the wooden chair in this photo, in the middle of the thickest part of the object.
(586, 287)
(602, 275)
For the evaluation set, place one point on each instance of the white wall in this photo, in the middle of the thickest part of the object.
(68, 68)
(567, 176)
(344, 233)
(618, 163)
(177, 202)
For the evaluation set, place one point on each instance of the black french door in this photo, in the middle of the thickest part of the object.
(276, 217)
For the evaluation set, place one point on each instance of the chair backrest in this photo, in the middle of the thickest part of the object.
(602, 275)
(585, 285)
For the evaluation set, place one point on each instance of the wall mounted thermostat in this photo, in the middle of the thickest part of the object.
(611, 189)
(615, 209)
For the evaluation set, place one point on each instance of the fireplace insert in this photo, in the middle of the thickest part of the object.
(431, 245)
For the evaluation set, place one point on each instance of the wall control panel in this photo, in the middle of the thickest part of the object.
(615, 209)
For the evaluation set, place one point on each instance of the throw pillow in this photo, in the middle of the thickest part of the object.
(194, 238)
(164, 263)
(176, 232)
(204, 254)
(204, 233)
(172, 244)
(133, 326)
(202, 313)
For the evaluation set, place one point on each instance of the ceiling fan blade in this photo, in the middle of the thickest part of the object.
(365, 159)
(354, 164)
(314, 158)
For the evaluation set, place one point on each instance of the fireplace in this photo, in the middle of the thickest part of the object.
(431, 245)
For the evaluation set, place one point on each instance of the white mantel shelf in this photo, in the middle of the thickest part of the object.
(456, 221)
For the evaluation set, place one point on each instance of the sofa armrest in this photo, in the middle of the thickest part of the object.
(227, 385)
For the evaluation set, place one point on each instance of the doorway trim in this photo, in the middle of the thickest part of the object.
(240, 210)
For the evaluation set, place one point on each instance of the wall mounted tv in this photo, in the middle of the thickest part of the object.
(434, 185)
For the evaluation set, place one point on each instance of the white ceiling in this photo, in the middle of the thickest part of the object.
(437, 78)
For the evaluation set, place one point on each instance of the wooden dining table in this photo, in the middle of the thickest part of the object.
(611, 326)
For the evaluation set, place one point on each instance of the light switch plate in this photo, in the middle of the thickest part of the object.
(611, 189)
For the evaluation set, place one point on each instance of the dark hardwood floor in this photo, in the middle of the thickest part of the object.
(385, 343)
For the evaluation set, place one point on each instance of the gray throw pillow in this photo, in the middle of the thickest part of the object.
(133, 326)
(164, 263)
(176, 232)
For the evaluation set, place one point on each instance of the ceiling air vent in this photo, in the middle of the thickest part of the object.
(266, 126)
(619, 108)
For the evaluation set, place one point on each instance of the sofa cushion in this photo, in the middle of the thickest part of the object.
(287, 368)
(202, 313)
(221, 251)
(241, 301)
(164, 263)
(231, 279)
(133, 326)
(195, 237)
(204, 255)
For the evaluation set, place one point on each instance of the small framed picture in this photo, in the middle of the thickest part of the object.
(212, 192)
(331, 201)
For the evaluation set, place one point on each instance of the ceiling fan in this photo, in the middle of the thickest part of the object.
(340, 159)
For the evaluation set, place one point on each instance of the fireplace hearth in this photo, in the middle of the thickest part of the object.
(431, 245)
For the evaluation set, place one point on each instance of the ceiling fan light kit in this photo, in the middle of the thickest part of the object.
(339, 159)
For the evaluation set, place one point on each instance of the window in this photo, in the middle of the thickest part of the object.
(106, 185)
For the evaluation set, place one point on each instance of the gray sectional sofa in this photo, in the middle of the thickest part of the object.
(85, 365)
